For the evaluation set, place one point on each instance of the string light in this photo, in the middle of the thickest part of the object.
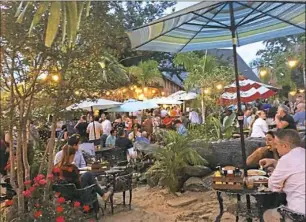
(55, 78)
(292, 63)
(219, 86)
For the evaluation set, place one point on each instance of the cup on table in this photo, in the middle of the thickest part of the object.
(249, 183)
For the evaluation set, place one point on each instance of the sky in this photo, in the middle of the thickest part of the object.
(246, 52)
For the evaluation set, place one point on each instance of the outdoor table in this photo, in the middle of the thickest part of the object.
(260, 196)
(103, 151)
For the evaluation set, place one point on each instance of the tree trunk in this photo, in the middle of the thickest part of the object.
(26, 165)
(51, 145)
(20, 172)
(44, 157)
(11, 140)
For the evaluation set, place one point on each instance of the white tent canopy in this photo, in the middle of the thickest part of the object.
(165, 101)
(183, 95)
(133, 106)
(95, 104)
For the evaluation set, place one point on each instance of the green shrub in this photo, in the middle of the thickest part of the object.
(172, 159)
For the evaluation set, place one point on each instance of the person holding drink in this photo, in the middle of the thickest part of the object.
(289, 173)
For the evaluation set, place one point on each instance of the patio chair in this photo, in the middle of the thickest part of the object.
(121, 183)
(86, 196)
(286, 213)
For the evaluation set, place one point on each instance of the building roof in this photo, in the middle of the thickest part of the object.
(225, 55)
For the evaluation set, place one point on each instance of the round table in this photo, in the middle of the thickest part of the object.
(260, 196)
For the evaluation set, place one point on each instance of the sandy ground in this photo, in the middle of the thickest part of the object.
(152, 205)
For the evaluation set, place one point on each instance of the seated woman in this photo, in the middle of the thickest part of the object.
(268, 151)
(67, 172)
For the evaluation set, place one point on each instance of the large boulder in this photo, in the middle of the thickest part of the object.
(196, 171)
(225, 152)
(194, 184)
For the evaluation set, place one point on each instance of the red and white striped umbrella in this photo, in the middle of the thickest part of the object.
(249, 91)
(245, 85)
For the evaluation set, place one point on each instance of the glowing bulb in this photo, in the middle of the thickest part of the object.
(219, 86)
(140, 97)
(124, 90)
(55, 78)
(302, 90)
(145, 89)
(292, 93)
(77, 93)
(107, 93)
(163, 93)
(206, 91)
(263, 72)
(292, 63)
(153, 91)
(43, 76)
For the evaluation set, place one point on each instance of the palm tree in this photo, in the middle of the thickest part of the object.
(64, 14)
(146, 73)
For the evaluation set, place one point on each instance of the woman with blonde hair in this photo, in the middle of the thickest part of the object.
(259, 126)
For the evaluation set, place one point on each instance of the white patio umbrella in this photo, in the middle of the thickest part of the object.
(183, 95)
(133, 106)
(165, 101)
(90, 105)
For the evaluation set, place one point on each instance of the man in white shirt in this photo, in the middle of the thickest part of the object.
(194, 117)
(94, 134)
(106, 126)
(289, 173)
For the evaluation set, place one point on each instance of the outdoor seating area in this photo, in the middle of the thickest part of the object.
(153, 111)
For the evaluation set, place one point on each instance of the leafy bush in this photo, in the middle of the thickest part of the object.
(42, 204)
(172, 159)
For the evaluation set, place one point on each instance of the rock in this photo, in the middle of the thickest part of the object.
(226, 152)
(179, 194)
(205, 216)
(181, 201)
(194, 184)
(197, 171)
(152, 178)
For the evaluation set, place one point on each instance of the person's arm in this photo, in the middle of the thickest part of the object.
(82, 160)
(88, 128)
(65, 135)
(265, 127)
(57, 158)
(280, 123)
(296, 118)
(279, 176)
(256, 156)
(108, 141)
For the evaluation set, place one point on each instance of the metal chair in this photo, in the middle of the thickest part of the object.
(290, 214)
(86, 196)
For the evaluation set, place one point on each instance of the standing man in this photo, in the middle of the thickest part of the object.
(106, 125)
(94, 129)
(194, 117)
(283, 119)
(289, 173)
(81, 127)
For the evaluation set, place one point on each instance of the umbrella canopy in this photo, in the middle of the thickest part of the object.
(94, 105)
(208, 25)
(246, 84)
(165, 101)
(247, 96)
(133, 106)
(219, 24)
(183, 95)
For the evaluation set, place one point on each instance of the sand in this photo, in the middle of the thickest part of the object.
(152, 205)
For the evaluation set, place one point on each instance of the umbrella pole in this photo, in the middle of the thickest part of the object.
(93, 122)
(240, 115)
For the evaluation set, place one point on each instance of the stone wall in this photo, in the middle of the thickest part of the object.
(225, 152)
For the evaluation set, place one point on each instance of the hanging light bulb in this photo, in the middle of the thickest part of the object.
(107, 93)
